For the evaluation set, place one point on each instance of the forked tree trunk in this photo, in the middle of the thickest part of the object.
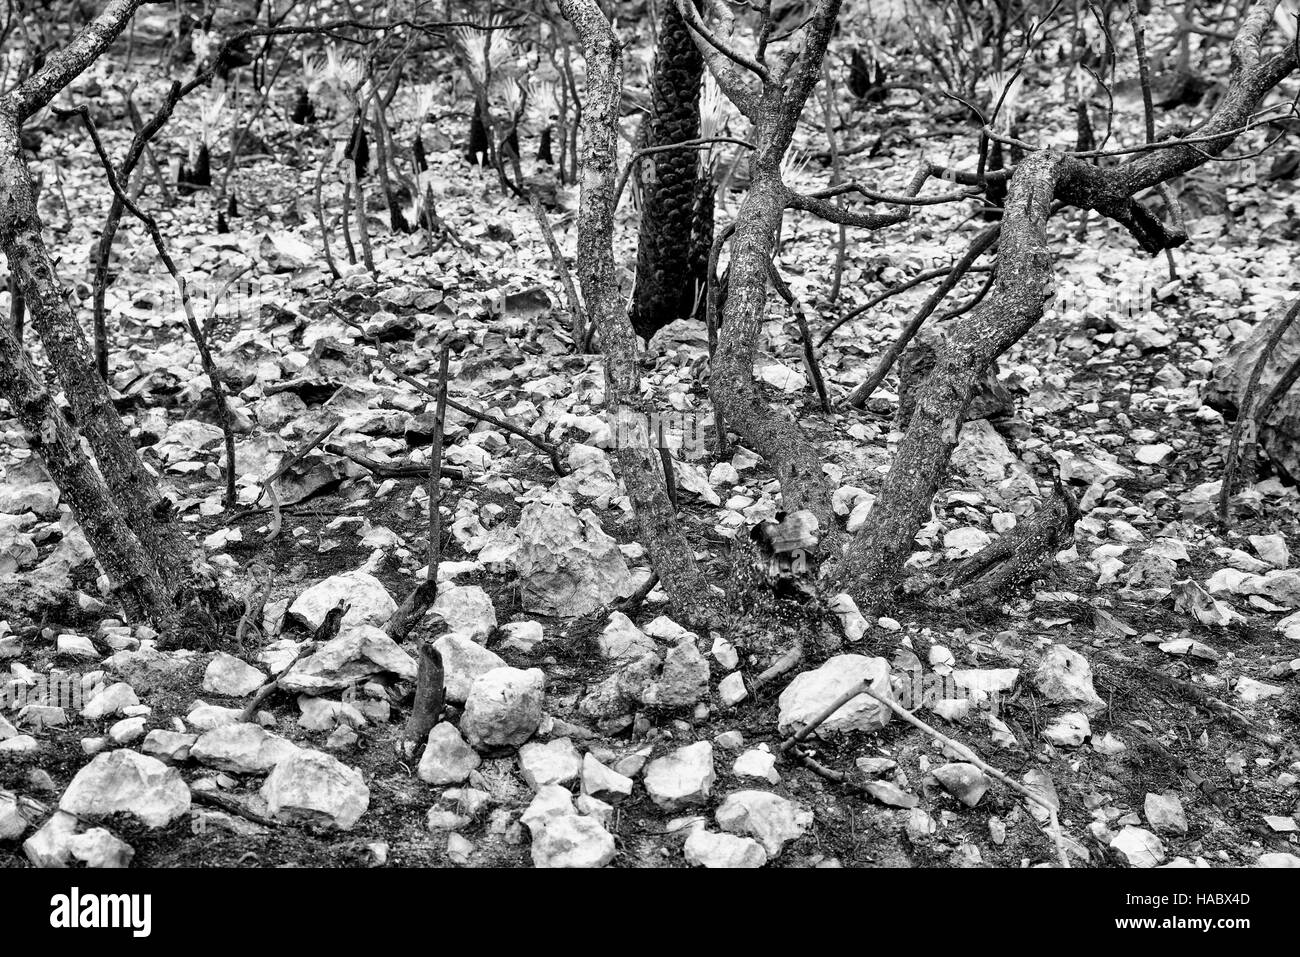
(127, 522)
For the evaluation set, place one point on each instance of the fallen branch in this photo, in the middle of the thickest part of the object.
(864, 687)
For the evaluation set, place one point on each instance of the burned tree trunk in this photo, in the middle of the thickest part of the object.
(670, 273)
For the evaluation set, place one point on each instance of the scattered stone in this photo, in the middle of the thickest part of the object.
(624, 641)
(602, 783)
(170, 746)
(1069, 730)
(227, 675)
(731, 690)
(555, 762)
(683, 681)
(310, 787)
(682, 778)
(76, 646)
(887, 792)
(1065, 677)
(110, 702)
(550, 801)
(964, 781)
(768, 818)
(1139, 847)
(1271, 548)
(1164, 812)
(126, 781)
(466, 610)
(463, 662)
(99, 848)
(705, 848)
(522, 635)
(447, 759)
(127, 731)
(757, 763)
(572, 841)
(1251, 691)
(567, 565)
(504, 708)
(368, 601)
(241, 749)
(812, 692)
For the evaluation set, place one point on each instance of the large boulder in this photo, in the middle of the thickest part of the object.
(310, 787)
(567, 565)
(504, 708)
(127, 782)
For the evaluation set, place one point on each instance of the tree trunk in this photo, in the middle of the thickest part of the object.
(669, 270)
(658, 528)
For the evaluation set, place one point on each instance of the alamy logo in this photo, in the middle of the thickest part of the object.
(75, 910)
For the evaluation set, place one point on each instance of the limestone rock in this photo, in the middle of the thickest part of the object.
(812, 692)
(310, 787)
(128, 782)
(682, 778)
(503, 709)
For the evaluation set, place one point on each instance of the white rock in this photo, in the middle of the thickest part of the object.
(110, 702)
(76, 646)
(368, 601)
(504, 708)
(227, 675)
(851, 619)
(682, 778)
(551, 801)
(1164, 812)
(731, 690)
(768, 818)
(205, 717)
(170, 746)
(966, 782)
(1250, 691)
(757, 763)
(463, 662)
(1139, 847)
(812, 692)
(127, 730)
(128, 782)
(1153, 454)
(682, 682)
(603, 783)
(522, 635)
(965, 541)
(447, 759)
(555, 762)
(1069, 730)
(99, 848)
(310, 787)
(466, 610)
(567, 565)
(1271, 548)
(624, 641)
(1065, 677)
(241, 749)
(570, 841)
(705, 848)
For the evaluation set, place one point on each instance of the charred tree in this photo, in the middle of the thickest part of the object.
(677, 209)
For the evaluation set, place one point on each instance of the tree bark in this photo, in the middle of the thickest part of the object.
(659, 530)
(668, 271)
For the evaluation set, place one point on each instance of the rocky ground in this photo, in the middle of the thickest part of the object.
(1146, 688)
